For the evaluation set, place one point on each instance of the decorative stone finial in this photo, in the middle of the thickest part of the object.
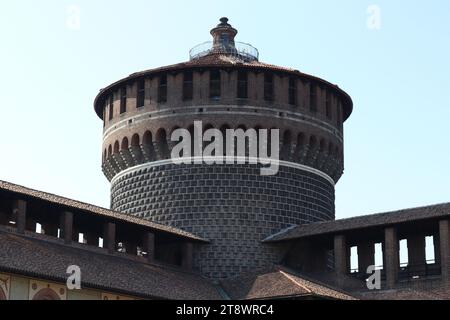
(224, 21)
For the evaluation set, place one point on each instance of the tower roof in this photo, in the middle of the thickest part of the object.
(223, 42)
(222, 52)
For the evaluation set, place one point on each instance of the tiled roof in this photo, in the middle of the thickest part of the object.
(280, 283)
(374, 220)
(224, 60)
(91, 209)
(48, 260)
(402, 294)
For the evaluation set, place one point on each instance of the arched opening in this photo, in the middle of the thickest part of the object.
(258, 128)
(287, 141)
(206, 127)
(116, 147)
(330, 149)
(161, 141)
(46, 294)
(301, 139)
(191, 133)
(312, 142)
(105, 153)
(109, 151)
(224, 129)
(124, 145)
(147, 138)
(147, 145)
(337, 153)
(135, 141)
(323, 146)
(270, 132)
(312, 150)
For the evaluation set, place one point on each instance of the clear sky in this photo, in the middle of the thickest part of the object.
(393, 59)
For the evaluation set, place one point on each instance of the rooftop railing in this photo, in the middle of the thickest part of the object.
(240, 49)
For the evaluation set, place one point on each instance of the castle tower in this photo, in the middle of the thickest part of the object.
(225, 86)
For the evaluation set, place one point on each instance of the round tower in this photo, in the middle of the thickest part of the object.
(224, 86)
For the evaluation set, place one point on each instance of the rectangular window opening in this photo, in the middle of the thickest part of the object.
(162, 89)
(214, 84)
(111, 107)
(141, 94)
(268, 87)
(292, 91)
(188, 85)
(313, 97)
(123, 100)
(328, 105)
(242, 91)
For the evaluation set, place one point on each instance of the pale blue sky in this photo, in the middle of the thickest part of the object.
(397, 152)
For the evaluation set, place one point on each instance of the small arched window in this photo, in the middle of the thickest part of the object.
(116, 147)
(124, 145)
(161, 140)
(135, 140)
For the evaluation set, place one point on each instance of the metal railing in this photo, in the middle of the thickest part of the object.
(418, 271)
(240, 49)
(406, 271)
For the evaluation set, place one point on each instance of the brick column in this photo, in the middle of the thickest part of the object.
(66, 226)
(437, 249)
(444, 244)
(187, 255)
(149, 245)
(341, 258)
(416, 250)
(392, 258)
(109, 237)
(366, 256)
(20, 212)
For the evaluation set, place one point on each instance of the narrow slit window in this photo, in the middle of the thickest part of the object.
(313, 97)
(242, 90)
(214, 84)
(141, 94)
(268, 87)
(123, 100)
(188, 85)
(339, 112)
(162, 89)
(292, 91)
(328, 104)
(111, 107)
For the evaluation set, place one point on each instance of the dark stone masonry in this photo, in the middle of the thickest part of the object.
(231, 205)
(224, 86)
